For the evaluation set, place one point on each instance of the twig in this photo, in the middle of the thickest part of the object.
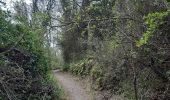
(7, 91)
(72, 22)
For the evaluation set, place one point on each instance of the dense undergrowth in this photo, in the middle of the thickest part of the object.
(152, 74)
(24, 63)
(123, 47)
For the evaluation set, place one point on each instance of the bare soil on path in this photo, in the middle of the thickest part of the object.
(75, 89)
(71, 86)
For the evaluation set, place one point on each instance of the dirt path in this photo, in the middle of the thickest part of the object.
(73, 88)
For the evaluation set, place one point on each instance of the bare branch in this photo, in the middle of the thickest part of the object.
(92, 20)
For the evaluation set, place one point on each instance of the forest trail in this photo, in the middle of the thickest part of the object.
(71, 86)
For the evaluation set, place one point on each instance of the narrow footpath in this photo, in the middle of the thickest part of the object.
(71, 86)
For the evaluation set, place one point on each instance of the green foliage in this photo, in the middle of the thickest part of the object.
(89, 67)
(109, 31)
(97, 75)
(9, 32)
(153, 21)
(96, 72)
(33, 43)
(27, 63)
(65, 67)
(81, 67)
(58, 91)
(147, 81)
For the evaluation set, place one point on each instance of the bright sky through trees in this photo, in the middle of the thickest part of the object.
(9, 3)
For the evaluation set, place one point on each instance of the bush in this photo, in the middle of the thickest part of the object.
(23, 63)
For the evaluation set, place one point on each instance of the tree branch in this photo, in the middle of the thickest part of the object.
(92, 20)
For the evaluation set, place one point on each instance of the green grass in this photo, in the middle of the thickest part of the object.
(58, 90)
